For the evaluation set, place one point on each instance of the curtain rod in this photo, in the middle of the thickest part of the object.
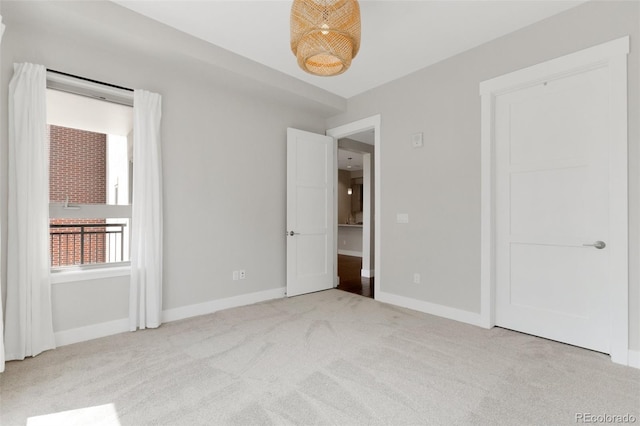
(89, 80)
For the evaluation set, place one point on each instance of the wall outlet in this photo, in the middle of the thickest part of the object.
(235, 275)
(416, 278)
(243, 274)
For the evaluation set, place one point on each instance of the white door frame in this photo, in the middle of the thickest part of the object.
(611, 55)
(343, 131)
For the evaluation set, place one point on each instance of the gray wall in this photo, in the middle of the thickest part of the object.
(218, 130)
(78, 304)
(439, 185)
(350, 240)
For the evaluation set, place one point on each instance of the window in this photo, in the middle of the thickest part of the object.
(89, 175)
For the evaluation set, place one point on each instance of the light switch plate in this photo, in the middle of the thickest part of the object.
(402, 218)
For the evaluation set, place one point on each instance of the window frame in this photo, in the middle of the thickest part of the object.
(57, 210)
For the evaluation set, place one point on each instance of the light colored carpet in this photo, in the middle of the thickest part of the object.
(328, 358)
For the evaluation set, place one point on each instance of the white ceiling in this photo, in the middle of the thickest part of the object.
(398, 37)
(348, 160)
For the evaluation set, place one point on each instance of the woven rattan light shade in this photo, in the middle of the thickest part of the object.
(325, 34)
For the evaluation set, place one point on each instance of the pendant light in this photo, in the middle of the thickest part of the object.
(325, 35)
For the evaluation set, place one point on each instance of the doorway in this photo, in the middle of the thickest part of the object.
(354, 188)
(357, 273)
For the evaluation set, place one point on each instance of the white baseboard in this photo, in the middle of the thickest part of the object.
(367, 273)
(217, 305)
(95, 331)
(90, 332)
(460, 315)
(350, 253)
(430, 308)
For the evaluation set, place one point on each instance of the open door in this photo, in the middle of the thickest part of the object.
(310, 212)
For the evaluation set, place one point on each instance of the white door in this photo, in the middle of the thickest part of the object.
(310, 212)
(553, 253)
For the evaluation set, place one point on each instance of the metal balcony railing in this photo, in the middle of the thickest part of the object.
(82, 243)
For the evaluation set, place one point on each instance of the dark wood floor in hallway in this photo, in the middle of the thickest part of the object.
(349, 269)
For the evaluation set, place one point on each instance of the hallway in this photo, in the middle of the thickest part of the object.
(350, 280)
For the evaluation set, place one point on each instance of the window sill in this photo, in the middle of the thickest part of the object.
(72, 275)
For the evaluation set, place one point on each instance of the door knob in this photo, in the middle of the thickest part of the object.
(291, 233)
(598, 244)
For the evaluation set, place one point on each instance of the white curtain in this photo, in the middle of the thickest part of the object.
(29, 325)
(145, 302)
(1, 314)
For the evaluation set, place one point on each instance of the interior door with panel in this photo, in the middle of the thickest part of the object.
(310, 212)
(553, 209)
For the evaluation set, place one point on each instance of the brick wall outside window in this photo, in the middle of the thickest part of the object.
(77, 169)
